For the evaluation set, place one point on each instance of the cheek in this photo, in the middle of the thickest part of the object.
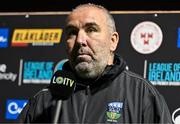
(98, 47)
(70, 44)
(100, 43)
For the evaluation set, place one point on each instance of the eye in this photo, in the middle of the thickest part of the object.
(71, 32)
(91, 29)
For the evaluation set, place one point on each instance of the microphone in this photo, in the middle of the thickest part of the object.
(62, 86)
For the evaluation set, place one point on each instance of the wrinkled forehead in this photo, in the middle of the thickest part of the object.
(87, 14)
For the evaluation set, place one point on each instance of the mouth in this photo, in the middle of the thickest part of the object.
(83, 57)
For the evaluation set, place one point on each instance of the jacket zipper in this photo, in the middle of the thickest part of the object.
(86, 102)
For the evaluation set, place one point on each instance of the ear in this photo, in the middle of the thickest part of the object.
(114, 41)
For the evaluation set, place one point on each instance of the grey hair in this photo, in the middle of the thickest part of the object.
(110, 19)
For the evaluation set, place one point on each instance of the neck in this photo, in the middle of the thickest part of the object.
(111, 60)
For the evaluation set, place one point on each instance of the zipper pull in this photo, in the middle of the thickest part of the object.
(88, 90)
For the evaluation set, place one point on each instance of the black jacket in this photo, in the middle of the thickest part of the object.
(117, 96)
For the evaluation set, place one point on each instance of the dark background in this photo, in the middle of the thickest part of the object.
(167, 53)
(67, 5)
(11, 56)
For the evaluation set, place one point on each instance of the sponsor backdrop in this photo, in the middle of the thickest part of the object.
(32, 47)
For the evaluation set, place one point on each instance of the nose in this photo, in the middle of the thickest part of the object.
(81, 38)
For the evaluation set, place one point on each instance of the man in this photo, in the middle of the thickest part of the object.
(106, 91)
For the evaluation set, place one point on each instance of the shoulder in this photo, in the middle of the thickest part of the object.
(141, 87)
(44, 92)
(41, 97)
(136, 80)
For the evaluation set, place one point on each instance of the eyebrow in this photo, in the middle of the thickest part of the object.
(91, 24)
(70, 26)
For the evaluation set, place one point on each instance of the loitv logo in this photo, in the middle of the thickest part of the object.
(62, 84)
(63, 80)
(14, 108)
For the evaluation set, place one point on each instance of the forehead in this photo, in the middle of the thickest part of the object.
(84, 15)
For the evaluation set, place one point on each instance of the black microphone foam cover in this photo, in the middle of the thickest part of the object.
(62, 84)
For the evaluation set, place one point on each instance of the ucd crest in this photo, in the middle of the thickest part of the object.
(113, 111)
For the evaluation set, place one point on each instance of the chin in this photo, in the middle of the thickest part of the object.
(82, 67)
(87, 75)
(86, 71)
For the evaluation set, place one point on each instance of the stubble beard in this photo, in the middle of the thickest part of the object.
(92, 69)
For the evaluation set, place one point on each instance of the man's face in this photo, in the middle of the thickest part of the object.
(88, 41)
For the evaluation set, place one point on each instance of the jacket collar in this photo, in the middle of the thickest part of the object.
(110, 72)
